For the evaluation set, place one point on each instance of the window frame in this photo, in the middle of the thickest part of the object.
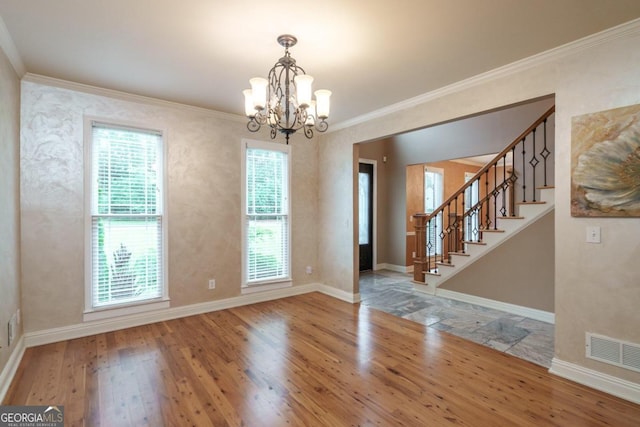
(438, 225)
(90, 312)
(269, 284)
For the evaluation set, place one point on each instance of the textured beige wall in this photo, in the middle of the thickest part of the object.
(204, 215)
(596, 286)
(520, 271)
(9, 203)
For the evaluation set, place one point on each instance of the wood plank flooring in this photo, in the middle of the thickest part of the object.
(308, 360)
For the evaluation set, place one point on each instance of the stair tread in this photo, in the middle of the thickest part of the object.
(490, 230)
(446, 264)
(510, 217)
(539, 202)
(429, 273)
(473, 243)
(550, 187)
(458, 253)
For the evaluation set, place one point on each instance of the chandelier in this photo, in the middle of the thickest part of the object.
(283, 101)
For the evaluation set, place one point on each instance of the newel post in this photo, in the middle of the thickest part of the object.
(420, 260)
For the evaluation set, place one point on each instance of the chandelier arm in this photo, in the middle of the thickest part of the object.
(322, 125)
(253, 125)
(308, 132)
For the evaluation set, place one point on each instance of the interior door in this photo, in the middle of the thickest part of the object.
(365, 215)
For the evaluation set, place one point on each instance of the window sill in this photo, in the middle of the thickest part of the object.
(119, 311)
(261, 287)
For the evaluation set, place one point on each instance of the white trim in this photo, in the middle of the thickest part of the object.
(394, 267)
(532, 313)
(10, 369)
(134, 308)
(129, 97)
(562, 51)
(268, 146)
(253, 288)
(374, 238)
(339, 294)
(9, 48)
(607, 383)
(90, 312)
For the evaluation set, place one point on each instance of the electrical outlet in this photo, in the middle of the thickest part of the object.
(19, 317)
(212, 283)
(308, 270)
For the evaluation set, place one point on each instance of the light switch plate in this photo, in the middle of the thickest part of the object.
(593, 234)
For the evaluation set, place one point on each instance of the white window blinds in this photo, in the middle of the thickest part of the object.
(267, 215)
(126, 215)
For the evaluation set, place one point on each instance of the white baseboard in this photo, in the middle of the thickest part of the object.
(394, 267)
(10, 369)
(532, 313)
(607, 383)
(339, 294)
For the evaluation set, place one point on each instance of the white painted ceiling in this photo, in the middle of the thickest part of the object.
(371, 54)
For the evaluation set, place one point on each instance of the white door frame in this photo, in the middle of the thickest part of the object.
(374, 260)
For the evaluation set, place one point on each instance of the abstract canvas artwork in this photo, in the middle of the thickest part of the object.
(605, 163)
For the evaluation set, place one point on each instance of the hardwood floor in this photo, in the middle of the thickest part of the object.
(306, 360)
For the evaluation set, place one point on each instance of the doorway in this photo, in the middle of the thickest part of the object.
(366, 201)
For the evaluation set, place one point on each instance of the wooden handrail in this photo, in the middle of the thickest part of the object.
(493, 162)
(450, 232)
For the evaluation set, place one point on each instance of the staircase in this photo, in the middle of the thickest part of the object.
(504, 197)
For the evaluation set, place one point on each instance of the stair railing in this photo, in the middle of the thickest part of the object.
(492, 192)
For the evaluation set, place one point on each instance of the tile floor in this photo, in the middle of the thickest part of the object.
(393, 293)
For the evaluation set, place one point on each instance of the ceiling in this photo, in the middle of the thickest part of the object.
(370, 54)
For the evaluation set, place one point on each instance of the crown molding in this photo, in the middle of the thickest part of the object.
(9, 48)
(125, 96)
(627, 29)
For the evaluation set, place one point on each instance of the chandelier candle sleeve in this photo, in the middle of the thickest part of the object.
(284, 100)
(322, 103)
(259, 92)
(303, 83)
(249, 109)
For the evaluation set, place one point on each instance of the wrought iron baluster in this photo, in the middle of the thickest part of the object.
(429, 244)
(495, 196)
(503, 210)
(456, 234)
(486, 202)
(524, 172)
(545, 151)
(513, 178)
(478, 209)
(534, 162)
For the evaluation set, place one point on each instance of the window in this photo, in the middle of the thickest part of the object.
(126, 260)
(266, 212)
(472, 225)
(433, 191)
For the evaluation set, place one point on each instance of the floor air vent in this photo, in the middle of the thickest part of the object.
(614, 352)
